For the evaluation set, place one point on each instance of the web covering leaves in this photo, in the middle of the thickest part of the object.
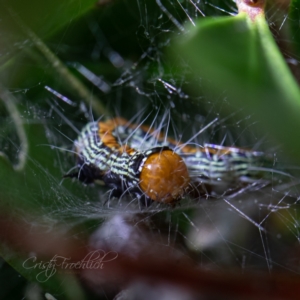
(253, 228)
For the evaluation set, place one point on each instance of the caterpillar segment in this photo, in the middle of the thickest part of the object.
(139, 160)
(158, 174)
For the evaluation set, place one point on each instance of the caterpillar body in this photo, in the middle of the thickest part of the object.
(138, 160)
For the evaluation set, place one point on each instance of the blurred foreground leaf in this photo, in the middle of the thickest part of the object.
(45, 17)
(239, 56)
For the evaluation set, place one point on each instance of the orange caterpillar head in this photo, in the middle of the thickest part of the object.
(164, 177)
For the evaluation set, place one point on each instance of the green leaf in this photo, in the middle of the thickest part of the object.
(29, 189)
(239, 56)
(45, 17)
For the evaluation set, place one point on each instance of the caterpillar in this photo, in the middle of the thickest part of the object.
(138, 160)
